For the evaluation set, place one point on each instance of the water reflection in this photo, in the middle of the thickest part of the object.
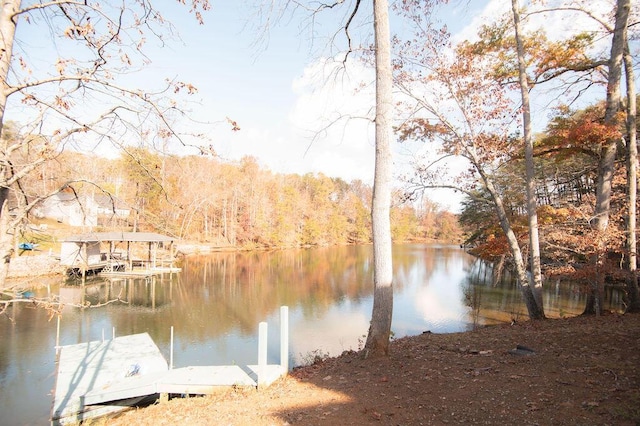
(216, 303)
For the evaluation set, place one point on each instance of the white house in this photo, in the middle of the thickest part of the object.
(86, 211)
(112, 211)
(69, 209)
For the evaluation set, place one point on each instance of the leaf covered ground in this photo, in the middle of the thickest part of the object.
(582, 371)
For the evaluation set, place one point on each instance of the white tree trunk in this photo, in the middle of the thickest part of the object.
(7, 36)
(532, 206)
(633, 296)
(606, 164)
(377, 343)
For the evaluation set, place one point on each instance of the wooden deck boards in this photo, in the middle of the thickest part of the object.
(126, 369)
(139, 273)
(94, 365)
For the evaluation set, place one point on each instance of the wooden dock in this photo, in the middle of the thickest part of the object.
(97, 378)
(139, 272)
(95, 365)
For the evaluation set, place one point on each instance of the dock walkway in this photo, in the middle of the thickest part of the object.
(103, 377)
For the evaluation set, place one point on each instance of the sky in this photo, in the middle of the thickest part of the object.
(284, 93)
(285, 90)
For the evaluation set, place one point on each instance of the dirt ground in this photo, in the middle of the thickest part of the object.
(582, 371)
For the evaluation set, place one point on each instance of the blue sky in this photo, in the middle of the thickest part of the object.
(283, 93)
(277, 91)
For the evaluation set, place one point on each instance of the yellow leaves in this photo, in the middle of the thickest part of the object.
(549, 215)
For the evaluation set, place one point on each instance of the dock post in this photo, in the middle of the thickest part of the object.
(58, 335)
(284, 338)
(171, 351)
(262, 353)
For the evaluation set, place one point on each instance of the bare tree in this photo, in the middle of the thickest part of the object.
(78, 100)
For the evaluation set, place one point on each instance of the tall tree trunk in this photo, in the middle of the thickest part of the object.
(377, 343)
(533, 309)
(7, 35)
(606, 163)
(633, 296)
(534, 241)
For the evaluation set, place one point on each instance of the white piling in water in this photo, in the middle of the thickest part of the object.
(113, 332)
(58, 335)
(171, 350)
(262, 352)
(284, 338)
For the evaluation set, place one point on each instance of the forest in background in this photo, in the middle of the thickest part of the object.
(233, 204)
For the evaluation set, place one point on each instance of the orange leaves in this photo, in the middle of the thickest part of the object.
(178, 86)
(421, 129)
(125, 58)
(61, 65)
(552, 58)
(584, 130)
(234, 124)
(548, 215)
(196, 5)
(76, 30)
(62, 103)
(592, 132)
(24, 66)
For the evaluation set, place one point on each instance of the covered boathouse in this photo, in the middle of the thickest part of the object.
(117, 253)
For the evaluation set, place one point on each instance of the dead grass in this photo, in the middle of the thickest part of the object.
(583, 371)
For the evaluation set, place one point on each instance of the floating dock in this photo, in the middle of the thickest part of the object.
(97, 378)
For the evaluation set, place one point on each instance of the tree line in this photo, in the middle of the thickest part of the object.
(234, 204)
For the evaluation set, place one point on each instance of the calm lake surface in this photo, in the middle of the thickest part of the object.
(216, 303)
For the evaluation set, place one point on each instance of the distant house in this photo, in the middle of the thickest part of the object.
(84, 211)
(70, 209)
(112, 211)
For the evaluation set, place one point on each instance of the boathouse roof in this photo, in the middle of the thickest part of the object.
(134, 237)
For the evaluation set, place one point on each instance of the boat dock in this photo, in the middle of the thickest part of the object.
(111, 254)
(97, 378)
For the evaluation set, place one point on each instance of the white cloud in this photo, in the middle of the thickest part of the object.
(312, 134)
(332, 115)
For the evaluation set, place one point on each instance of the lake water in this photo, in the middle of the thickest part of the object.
(216, 303)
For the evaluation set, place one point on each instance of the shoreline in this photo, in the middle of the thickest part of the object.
(581, 370)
